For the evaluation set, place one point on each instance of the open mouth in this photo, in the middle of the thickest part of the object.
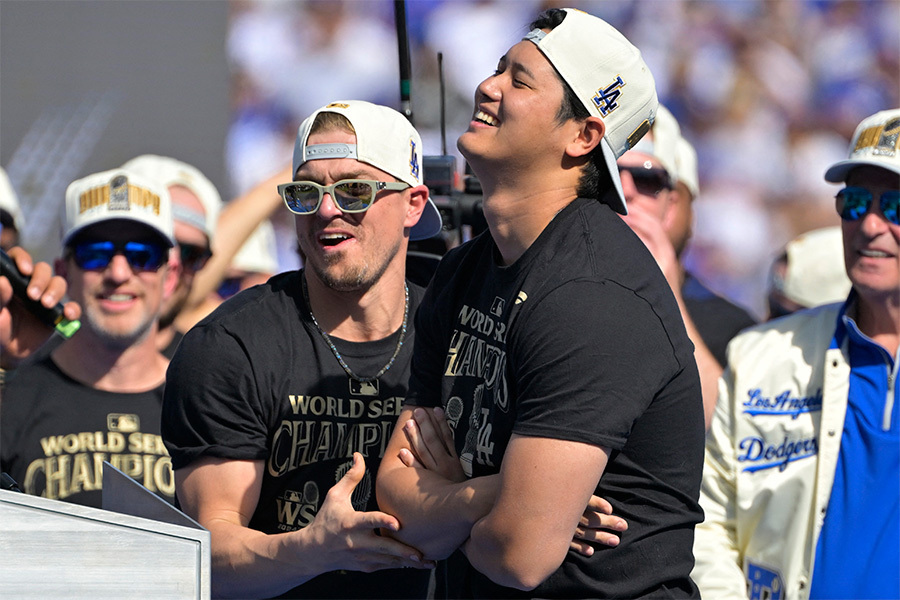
(332, 239)
(483, 117)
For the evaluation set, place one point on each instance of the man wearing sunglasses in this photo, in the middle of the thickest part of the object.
(279, 405)
(195, 211)
(650, 173)
(99, 395)
(802, 472)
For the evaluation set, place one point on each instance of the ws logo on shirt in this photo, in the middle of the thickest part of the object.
(297, 509)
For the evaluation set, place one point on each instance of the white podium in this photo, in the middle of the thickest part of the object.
(53, 549)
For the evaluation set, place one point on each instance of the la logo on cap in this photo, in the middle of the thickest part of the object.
(605, 99)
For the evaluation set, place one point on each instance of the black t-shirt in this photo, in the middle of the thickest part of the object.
(580, 339)
(56, 432)
(717, 319)
(255, 380)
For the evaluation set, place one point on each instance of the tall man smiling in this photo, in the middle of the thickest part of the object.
(801, 486)
(553, 345)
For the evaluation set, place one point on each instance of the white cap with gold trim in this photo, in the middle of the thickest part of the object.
(117, 194)
(876, 142)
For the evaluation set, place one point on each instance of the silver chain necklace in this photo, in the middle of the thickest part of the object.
(334, 349)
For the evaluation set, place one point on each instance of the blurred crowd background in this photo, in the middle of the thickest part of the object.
(768, 91)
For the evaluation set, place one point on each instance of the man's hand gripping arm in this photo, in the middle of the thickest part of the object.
(222, 496)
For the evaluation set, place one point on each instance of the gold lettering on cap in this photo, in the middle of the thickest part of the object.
(883, 139)
(338, 105)
(93, 198)
(136, 196)
(144, 197)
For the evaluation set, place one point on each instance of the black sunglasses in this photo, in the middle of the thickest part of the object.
(96, 255)
(193, 257)
(854, 202)
(649, 181)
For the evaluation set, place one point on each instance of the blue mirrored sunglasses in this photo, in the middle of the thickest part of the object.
(142, 256)
(854, 202)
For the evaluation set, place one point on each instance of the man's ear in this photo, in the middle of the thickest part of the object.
(418, 196)
(587, 137)
(173, 272)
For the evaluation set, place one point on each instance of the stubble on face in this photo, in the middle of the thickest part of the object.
(116, 331)
(352, 276)
(377, 239)
(113, 335)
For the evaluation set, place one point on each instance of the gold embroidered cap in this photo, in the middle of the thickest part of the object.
(117, 194)
(875, 142)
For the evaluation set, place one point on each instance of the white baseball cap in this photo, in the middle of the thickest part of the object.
(386, 140)
(875, 142)
(257, 255)
(815, 268)
(9, 201)
(118, 194)
(170, 171)
(608, 75)
(686, 166)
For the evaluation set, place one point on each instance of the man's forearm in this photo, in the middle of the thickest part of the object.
(248, 563)
(435, 514)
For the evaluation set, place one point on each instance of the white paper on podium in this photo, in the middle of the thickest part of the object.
(124, 495)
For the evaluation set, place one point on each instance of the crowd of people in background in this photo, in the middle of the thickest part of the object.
(502, 425)
(768, 92)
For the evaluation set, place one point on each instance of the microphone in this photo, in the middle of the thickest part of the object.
(52, 317)
(7, 482)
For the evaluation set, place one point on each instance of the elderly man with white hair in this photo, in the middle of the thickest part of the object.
(801, 481)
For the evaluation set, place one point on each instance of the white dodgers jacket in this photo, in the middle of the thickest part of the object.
(771, 454)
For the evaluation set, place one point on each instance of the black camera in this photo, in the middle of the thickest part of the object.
(458, 208)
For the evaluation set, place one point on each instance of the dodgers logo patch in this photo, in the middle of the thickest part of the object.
(606, 99)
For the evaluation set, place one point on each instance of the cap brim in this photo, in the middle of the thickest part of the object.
(837, 173)
(613, 169)
(429, 224)
(77, 231)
